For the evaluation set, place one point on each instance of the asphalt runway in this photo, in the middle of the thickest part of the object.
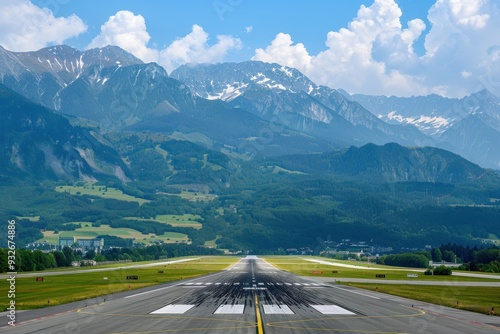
(250, 297)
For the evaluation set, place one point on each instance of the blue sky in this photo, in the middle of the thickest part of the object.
(389, 47)
(307, 21)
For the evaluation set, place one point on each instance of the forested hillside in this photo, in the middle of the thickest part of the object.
(258, 205)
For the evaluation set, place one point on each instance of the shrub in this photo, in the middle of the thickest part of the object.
(442, 270)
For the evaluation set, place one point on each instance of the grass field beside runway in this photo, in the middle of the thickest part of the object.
(61, 289)
(337, 269)
(476, 299)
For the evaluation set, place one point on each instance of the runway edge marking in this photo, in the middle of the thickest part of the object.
(356, 292)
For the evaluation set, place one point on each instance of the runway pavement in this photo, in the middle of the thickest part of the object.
(251, 297)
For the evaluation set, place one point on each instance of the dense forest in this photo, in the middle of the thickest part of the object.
(256, 205)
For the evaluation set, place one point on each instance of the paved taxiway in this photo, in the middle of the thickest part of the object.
(250, 297)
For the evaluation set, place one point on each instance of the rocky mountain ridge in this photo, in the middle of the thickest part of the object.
(37, 142)
(117, 90)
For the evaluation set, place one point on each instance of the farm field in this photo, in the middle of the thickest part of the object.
(87, 231)
(100, 191)
(30, 218)
(212, 243)
(186, 220)
(194, 196)
(278, 169)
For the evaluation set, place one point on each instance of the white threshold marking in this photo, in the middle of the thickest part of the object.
(277, 309)
(230, 309)
(173, 309)
(330, 309)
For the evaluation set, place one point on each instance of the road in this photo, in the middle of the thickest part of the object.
(251, 297)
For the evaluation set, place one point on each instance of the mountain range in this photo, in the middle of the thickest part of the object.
(267, 159)
(252, 108)
(469, 126)
(285, 96)
(37, 142)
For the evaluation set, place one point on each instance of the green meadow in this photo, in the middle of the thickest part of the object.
(194, 196)
(87, 231)
(303, 267)
(186, 220)
(476, 299)
(100, 191)
(66, 288)
(278, 169)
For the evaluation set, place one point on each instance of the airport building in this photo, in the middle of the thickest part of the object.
(96, 244)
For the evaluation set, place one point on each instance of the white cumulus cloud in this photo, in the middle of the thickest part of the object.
(282, 51)
(375, 53)
(194, 48)
(26, 27)
(463, 35)
(129, 31)
(363, 57)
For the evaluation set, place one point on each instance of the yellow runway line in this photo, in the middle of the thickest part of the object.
(260, 329)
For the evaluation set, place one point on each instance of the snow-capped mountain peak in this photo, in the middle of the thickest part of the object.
(221, 81)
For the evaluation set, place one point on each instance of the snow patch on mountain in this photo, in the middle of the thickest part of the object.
(431, 125)
(229, 93)
(286, 71)
(276, 86)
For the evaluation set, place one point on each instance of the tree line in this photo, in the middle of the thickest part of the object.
(36, 260)
(472, 258)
